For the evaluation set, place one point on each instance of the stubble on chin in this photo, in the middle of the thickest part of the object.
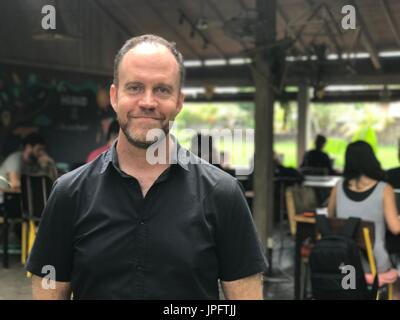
(139, 140)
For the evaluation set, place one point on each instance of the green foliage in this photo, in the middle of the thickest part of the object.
(367, 134)
(217, 115)
(336, 148)
(341, 123)
(288, 149)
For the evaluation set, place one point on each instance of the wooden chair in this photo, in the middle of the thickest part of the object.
(35, 192)
(298, 200)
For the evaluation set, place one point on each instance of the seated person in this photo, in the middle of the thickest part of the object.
(363, 193)
(288, 175)
(316, 161)
(203, 147)
(112, 134)
(32, 160)
(291, 175)
(283, 178)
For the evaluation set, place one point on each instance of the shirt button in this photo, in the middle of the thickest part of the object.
(139, 268)
(142, 222)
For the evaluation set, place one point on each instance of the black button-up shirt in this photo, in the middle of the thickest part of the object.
(192, 228)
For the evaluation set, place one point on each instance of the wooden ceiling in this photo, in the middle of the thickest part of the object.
(202, 29)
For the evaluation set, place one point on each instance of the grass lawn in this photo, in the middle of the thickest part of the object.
(336, 148)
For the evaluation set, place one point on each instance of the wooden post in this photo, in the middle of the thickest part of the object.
(264, 116)
(263, 164)
(302, 122)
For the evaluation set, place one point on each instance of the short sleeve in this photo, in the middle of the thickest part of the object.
(53, 243)
(239, 248)
(13, 163)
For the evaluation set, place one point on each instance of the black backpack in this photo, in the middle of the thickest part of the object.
(329, 255)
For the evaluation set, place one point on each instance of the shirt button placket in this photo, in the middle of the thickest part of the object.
(140, 266)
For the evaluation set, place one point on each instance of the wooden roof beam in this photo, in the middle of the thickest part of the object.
(178, 36)
(366, 39)
(132, 20)
(213, 43)
(327, 28)
(221, 17)
(390, 20)
(335, 24)
(116, 22)
(290, 30)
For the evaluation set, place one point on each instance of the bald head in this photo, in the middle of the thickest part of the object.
(146, 42)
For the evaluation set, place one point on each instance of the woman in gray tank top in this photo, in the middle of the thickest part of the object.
(363, 194)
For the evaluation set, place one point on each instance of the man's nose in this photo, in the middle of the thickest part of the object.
(147, 101)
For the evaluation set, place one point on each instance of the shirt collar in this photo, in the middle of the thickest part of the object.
(179, 156)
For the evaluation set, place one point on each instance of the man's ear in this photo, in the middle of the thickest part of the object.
(114, 96)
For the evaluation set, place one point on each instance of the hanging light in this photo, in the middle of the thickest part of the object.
(60, 33)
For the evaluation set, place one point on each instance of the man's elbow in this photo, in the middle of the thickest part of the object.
(45, 289)
(395, 229)
(249, 288)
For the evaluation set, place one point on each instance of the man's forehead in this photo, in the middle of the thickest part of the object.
(147, 49)
(149, 56)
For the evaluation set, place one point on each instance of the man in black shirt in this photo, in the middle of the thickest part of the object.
(124, 227)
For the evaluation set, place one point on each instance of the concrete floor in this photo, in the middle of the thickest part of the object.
(280, 284)
(14, 285)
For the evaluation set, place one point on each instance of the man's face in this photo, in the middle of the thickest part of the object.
(148, 94)
(35, 151)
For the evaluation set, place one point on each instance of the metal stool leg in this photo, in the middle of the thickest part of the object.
(5, 242)
(24, 231)
(390, 291)
(305, 287)
(31, 240)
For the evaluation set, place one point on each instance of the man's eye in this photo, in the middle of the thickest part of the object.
(134, 88)
(162, 90)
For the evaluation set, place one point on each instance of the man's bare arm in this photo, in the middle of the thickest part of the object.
(62, 290)
(15, 180)
(249, 288)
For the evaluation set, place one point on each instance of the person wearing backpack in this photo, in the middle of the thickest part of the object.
(335, 254)
(362, 193)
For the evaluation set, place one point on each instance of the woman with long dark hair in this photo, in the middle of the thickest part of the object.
(363, 193)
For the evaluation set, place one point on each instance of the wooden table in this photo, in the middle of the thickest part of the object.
(249, 194)
(321, 181)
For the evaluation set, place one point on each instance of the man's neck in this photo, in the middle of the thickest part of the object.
(133, 160)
